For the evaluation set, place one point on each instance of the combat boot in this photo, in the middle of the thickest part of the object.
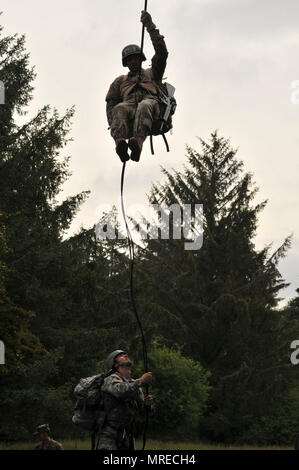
(122, 150)
(135, 145)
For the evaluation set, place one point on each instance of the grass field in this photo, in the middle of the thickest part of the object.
(150, 445)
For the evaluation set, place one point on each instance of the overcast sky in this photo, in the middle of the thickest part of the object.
(232, 62)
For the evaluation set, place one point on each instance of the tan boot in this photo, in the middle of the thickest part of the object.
(122, 150)
(135, 145)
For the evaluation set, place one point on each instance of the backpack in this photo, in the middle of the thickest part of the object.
(168, 106)
(89, 405)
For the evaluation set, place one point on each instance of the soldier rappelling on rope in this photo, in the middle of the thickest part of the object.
(139, 104)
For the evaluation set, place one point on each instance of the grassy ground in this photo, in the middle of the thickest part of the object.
(150, 445)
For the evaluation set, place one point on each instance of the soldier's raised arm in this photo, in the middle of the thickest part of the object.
(121, 389)
(160, 58)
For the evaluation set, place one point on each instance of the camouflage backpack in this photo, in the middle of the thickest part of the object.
(167, 104)
(88, 412)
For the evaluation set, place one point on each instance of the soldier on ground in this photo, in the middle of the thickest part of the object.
(132, 99)
(122, 395)
(43, 434)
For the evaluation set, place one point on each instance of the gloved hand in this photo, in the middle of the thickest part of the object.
(148, 400)
(146, 19)
(146, 378)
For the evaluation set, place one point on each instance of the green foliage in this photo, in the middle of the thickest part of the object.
(66, 282)
(180, 389)
(281, 427)
(34, 399)
(223, 294)
(212, 310)
(19, 341)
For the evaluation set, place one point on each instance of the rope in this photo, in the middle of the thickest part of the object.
(139, 79)
(132, 254)
(142, 42)
(131, 251)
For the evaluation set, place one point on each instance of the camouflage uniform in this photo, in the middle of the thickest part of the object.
(46, 445)
(50, 445)
(121, 398)
(132, 105)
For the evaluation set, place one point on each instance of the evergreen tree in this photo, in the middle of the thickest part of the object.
(223, 294)
(66, 282)
(18, 340)
(294, 304)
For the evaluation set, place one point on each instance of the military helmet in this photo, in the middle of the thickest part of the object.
(111, 358)
(131, 49)
(41, 429)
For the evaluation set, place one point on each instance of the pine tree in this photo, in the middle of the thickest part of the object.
(66, 283)
(31, 178)
(18, 340)
(223, 294)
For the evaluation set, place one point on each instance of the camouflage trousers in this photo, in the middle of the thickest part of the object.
(114, 439)
(135, 116)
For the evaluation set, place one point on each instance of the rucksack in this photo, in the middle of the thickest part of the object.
(89, 404)
(168, 104)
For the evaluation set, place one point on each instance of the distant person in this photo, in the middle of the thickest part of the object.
(43, 434)
(121, 396)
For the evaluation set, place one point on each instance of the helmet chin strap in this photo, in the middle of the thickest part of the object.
(124, 364)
